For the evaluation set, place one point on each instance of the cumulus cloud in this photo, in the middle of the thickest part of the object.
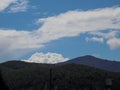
(14, 5)
(95, 39)
(46, 58)
(68, 24)
(114, 43)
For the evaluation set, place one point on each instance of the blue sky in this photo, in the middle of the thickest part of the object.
(70, 28)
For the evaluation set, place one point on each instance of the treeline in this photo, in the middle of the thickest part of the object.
(25, 76)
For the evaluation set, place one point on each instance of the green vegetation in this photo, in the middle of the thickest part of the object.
(28, 76)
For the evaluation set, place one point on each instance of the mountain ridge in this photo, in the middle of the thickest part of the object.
(89, 60)
(20, 75)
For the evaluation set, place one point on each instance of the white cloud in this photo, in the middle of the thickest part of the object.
(95, 39)
(14, 5)
(111, 38)
(107, 35)
(114, 43)
(72, 23)
(5, 3)
(69, 24)
(20, 6)
(19, 39)
(46, 58)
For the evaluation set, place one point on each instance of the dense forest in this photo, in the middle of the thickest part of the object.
(19, 75)
(3, 86)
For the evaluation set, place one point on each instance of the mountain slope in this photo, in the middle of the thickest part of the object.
(96, 62)
(31, 76)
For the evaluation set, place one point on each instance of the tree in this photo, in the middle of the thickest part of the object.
(2, 83)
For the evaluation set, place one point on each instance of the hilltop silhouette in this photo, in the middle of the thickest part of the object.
(92, 61)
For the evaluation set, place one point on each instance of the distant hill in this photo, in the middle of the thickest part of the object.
(20, 75)
(14, 65)
(113, 66)
(79, 73)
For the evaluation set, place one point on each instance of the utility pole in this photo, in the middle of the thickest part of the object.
(50, 78)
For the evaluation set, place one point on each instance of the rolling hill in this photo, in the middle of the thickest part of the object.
(81, 73)
(88, 60)
(20, 75)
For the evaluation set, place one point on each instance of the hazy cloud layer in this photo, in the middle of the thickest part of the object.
(46, 58)
(69, 24)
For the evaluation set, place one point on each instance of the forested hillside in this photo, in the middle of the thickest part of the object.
(30, 76)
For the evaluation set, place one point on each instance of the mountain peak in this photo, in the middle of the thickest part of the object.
(96, 62)
(88, 56)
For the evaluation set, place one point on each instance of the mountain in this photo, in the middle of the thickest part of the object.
(20, 75)
(113, 66)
